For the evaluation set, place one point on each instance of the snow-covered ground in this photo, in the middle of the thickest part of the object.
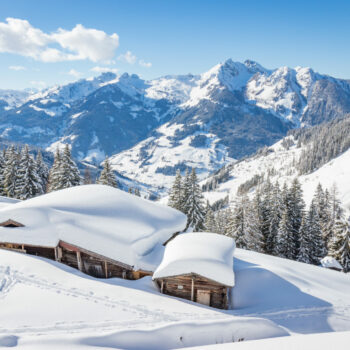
(48, 305)
(324, 341)
(283, 161)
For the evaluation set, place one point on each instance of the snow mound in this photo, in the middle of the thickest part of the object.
(207, 254)
(330, 262)
(98, 218)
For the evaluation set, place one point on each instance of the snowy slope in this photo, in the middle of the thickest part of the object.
(48, 305)
(98, 218)
(283, 161)
(323, 341)
(134, 315)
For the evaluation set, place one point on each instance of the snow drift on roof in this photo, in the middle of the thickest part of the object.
(98, 218)
(207, 254)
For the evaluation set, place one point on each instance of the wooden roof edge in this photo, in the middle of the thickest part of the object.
(97, 255)
(30, 245)
(11, 221)
(171, 238)
(193, 274)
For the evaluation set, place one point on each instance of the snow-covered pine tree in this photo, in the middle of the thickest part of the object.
(54, 173)
(254, 224)
(304, 242)
(87, 176)
(340, 243)
(296, 207)
(194, 203)
(28, 183)
(285, 243)
(316, 248)
(265, 211)
(137, 192)
(276, 215)
(2, 174)
(42, 171)
(176, 196)
(107, 176)
(237, 224)
(68, 173)
(209, 222)
(10, 173)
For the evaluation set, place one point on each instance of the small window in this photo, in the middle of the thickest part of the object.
(180, 286)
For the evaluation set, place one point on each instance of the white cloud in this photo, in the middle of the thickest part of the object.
(74, 73)
(145, 64)
(99, 69)
(17, 68)
(38, 84)
(20, 37)
(128, 57)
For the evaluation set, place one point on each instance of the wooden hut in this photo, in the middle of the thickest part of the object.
(198, 267)
(99, 230)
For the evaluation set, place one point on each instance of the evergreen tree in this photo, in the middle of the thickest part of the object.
(176, 196)
(254, 226)
(304, 254)
(68, 173)
(209, 222)
(137, 192)
(276, 216)
(28, 182)
(54, 173)
(42, 171)
(285, 243)
(107, 176)
(237, 225)
(10, 173)
(87, 177)
(295, 207)
(340, 243)
(317, 248)
(194, 203)
(2, 174)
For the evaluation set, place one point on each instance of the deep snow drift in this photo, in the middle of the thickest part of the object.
(98, 218)
(45, 304)
(48, 305)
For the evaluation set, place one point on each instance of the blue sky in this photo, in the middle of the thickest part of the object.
(154, 38)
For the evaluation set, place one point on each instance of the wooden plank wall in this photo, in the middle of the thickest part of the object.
(218, 293)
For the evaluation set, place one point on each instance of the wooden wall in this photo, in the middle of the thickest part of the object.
(45, 252)
(181, 286)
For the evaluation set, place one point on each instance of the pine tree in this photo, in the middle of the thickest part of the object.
(87, 177)
(68, 173)
(295, 207)
(237, 224)
(28, 182)
(10, 173)
(209, 221)
(285, 243)
(137, 192)
(276, 215)
(54, 173)
(2, 174)
(194, 203)
(42, 171)
(304, 254)
(254, 226)
(317, 248)
(107, 176)
(176, 196)
(340, 243)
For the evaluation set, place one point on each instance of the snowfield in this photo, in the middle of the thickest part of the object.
(337, 171)
(45, 304)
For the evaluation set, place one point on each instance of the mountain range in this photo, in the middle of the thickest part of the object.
(151, 128)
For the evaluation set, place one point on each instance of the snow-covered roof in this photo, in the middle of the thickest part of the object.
(98, 218)
(209, 255)
(330, 262)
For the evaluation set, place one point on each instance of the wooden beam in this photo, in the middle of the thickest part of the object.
(192, 289)
(56, 254)
(80, 264)
(162, 287)
(106, 269)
